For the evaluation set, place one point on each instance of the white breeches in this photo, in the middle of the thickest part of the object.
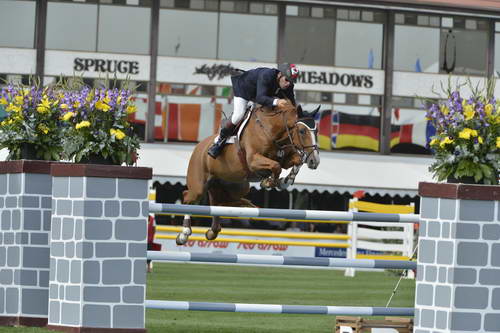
(240, 106)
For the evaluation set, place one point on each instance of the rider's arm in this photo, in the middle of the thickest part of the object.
(264, 84)
(290, 94)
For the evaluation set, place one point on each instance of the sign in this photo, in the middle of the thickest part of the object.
(17, 61)
(97, 65)
(428, 84)
(331, 252)
(316, 78)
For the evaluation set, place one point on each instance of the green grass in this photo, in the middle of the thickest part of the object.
(248, 284)
(271, 285)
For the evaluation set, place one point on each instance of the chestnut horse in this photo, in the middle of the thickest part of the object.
(272, 140)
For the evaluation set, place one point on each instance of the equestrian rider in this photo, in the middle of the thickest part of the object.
(259, 85)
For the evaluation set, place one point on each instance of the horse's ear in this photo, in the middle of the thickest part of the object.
(300, 113)
(313, 113)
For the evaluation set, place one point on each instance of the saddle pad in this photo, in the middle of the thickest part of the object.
(240, 129)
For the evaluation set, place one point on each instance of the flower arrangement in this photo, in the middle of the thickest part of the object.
(70, 122)
(32, 122)
(467, 139)
(96, 125)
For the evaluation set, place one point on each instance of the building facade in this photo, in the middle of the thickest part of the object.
(369, 64)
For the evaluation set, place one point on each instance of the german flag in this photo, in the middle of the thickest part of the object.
(343, 130)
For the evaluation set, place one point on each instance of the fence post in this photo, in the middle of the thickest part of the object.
(458, 284)
(98, 247)
(25, 209)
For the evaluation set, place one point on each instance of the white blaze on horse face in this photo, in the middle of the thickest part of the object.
(311, 149)
(313, 159)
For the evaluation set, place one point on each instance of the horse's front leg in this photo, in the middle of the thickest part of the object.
(290, 178)
(183, 236)
(258, 163)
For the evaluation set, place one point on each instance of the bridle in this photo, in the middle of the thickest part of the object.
(287, 142)
(302, 150)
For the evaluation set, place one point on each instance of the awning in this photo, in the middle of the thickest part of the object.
(395, 175)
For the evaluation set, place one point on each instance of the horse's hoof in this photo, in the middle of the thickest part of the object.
(283, 183)
(267, 183)
(186, 231)
(181, 239)
(211, 235)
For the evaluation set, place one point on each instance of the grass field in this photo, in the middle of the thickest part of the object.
(271, 285)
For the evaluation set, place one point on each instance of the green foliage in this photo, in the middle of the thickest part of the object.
(32, 118)
(467, 140)
(96, 124)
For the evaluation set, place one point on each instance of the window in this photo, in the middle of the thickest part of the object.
(416, 49)
(358, 44)
(12, 33)
(497, 49)
(309, 40)
(248, 37)
(463, 51)
(196, 39)
(124, 29)
(66, 33)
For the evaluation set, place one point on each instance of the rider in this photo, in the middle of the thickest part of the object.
(259, 85)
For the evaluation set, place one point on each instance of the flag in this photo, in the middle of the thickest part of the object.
(418, 67)
(371, 59)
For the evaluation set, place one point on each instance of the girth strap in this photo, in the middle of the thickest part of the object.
(243, 156)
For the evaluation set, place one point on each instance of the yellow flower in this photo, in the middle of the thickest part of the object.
(19, 99)
(64, 106)
(434, 141)
(67, 116)
(488, 109)
(43, 128)
(117, 133)
(82, 124)
(106, 99)
(444, 110)
(118, 99)
(445, 141)
(466, 133)
(44, 106)
(76, 105)
(13, 107)
(3, 101)
(480, 140)
(100, 105)
(498, 141)
(131, 109)
(469, 112)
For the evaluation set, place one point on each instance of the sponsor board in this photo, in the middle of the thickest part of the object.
(202, 246)
(331, 252)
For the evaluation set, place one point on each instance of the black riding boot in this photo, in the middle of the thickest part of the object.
(225, 132)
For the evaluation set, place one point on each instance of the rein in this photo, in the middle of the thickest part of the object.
(286, 142)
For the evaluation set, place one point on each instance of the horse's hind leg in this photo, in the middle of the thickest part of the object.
(215, 228)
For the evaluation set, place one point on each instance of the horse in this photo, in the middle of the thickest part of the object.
(273, 139)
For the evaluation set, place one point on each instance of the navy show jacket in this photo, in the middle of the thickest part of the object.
(260, 85)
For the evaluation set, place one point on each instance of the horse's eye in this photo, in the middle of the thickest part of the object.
(302, 131)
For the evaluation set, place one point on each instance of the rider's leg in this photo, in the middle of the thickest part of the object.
(228, 128)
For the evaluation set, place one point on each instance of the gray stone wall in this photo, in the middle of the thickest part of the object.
(25, 214)
(98, 252)
(458, 275)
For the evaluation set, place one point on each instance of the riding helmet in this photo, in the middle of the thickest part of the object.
(290, 71)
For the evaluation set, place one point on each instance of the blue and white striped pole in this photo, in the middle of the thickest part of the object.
(280, 260)
(276, 308)
(281, 213)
